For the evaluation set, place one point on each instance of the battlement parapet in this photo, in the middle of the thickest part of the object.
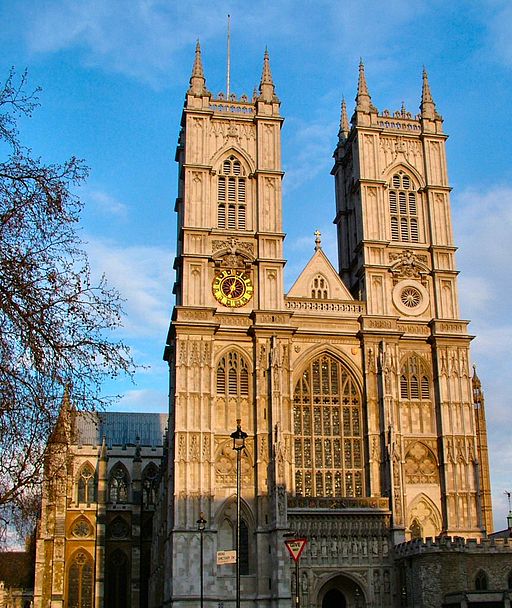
(448, 544)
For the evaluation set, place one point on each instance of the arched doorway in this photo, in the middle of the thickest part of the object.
(334, 599)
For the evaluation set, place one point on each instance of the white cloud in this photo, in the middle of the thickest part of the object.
(104, 203)
(144, 277)
(143, 400)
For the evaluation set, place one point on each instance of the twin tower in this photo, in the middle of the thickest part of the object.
(365, 426)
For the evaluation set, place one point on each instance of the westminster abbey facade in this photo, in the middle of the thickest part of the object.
(365, 420)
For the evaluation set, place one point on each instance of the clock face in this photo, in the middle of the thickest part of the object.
(232, 288)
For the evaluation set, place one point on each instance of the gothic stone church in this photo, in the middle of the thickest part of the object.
(366, 426)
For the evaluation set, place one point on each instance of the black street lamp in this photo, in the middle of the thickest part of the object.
(238, 445)
(201, 524)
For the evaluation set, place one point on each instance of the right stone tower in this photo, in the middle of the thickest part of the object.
(426, 429)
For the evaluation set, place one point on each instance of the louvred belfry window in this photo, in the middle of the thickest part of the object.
(232, 376)
(328, 429)
(231, 196)
(403, 209)
(415, 379)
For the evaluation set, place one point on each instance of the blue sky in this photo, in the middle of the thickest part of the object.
(114, 74)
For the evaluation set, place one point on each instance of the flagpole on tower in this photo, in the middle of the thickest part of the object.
(228, 60)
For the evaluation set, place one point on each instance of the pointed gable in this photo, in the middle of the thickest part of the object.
(319, 281)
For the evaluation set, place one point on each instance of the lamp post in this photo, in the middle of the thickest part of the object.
(238, 445)
(201, 523)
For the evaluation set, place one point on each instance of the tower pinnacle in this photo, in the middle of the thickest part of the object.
(197, 80)
(267, 88)
(344, 125)
(427, 106)
(363, 99)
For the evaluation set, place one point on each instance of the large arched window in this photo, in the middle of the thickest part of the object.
(117, 580)
(118, 484)
(232, 376)
(403, 208)
(80, 581)
(231, 199)
(86, 491)
(328, 431)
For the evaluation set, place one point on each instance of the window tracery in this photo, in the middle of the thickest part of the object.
(80, 581)
(232, 376)
(403, 208)
(420, 465)
(86, 491)
(328, 431)
(118, 484)
(231, 195)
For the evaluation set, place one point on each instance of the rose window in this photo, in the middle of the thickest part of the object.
(410, 297)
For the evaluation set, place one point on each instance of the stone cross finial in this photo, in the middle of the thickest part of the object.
(318, 240)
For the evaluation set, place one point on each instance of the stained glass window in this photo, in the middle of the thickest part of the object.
(118, 484)
(328, 431)
(86, 484)
(80, 581)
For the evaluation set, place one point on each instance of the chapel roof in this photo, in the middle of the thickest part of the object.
(120, 428)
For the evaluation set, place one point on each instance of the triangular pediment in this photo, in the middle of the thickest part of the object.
(319, 280)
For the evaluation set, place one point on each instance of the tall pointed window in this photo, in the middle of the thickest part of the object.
(403, 208)
(86, 484)
(117, 580)
(414, 379)
(118, 484)
(232, 376)
(231, 199)
(328, 428)
(80, 581)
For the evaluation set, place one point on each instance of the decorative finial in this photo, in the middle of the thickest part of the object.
(197, 80)
(318, 240)
(267, 89)
(363, 99)
(427, 106)
(344, 125)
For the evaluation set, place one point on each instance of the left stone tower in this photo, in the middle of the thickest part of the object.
(229, 298)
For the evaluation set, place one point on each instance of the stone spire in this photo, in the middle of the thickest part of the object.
(427, 106)
(197, 80)
(63, 427)
(363, 99)
(267, 88)
(344, 125)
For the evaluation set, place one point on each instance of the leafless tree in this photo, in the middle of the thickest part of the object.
(55, 323)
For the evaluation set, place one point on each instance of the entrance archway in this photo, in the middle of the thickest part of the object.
(334, 599)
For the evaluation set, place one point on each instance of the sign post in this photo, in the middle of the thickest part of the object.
(295, 547)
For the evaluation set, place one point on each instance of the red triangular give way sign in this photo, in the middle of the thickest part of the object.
(296, 546)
